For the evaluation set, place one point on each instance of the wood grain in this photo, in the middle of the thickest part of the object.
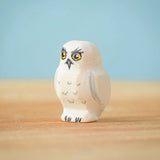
(30, 125)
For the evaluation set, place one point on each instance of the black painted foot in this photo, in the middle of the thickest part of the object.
(67, 118)
(78, 119)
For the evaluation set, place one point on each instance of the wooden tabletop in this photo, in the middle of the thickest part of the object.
(30, 125)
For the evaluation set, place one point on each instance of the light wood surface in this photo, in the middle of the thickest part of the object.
(30, 125)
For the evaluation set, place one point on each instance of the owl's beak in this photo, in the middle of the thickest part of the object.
(69, 62)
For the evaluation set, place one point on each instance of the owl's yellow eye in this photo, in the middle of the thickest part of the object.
(76, 56)
(63, 55)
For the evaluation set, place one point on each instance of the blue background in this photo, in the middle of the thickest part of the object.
(127, 32)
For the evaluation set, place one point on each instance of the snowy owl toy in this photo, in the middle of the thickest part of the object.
(81, 83)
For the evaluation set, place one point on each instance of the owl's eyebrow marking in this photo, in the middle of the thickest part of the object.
(77, 51)
(63, 49)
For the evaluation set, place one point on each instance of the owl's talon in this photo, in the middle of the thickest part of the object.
(69, 119)
(65, 118)
(77, 119)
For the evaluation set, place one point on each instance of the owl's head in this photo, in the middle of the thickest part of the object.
(80, 54)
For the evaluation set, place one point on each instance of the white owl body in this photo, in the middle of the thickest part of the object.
(83, 91)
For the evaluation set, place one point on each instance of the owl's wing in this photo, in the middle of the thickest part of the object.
(99, 84)
(56, 83)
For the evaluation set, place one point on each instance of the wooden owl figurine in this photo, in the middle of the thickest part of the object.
(81, 83)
